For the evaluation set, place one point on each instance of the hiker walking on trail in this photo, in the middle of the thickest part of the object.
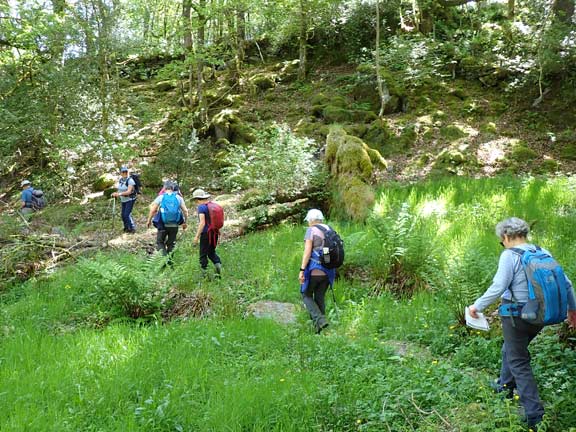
(30, 199)
(521, 312)
(210, 220)
(127, 194)
(314, 277)
(168, 211)
(26, 198)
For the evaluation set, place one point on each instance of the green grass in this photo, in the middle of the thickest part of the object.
(392, 359)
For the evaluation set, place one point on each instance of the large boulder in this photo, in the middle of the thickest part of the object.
(105, 181)
(227, 125)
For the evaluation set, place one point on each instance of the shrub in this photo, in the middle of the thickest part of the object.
(278, 162)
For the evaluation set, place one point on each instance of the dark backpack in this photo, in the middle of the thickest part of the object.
(333, 250)
(215, 222)
(38, 200)
(547, 288)
(137, 185)
(170, 209)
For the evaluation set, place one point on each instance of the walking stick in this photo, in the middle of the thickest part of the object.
(113, 213)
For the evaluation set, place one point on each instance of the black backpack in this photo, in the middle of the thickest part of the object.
(333, 249)
(38, 200)
(137, 184)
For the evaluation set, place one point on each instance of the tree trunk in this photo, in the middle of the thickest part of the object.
(382, 88)
(511, 9)
(303, 41)
(240, 39)
(201, 39)
(187, 27)
(57, 42)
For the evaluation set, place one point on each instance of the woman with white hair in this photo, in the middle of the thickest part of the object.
(314, 277)
(511, 286)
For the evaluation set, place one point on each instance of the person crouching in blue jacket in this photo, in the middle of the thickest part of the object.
(314, 278)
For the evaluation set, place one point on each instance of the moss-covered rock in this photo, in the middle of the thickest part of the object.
(489, 128)
(227, 124)
(289, 71)
(375, 157)
(378, 134)
(453, 161)
(319, 99)
(568, 151)
(520, 152)
(498, 107)
(263, 81)
(103, 182)
(549, 166)
(334, 114)
(452, 132)
(357, 129)
(346, 154)
(164, 86)
(356, 197)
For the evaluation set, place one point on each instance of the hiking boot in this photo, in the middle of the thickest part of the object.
(505, 390)
(321, 325)
(218, 267)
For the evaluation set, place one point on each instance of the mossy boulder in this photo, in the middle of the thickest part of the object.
(357, 129)
(346, 154)
(104, 182)
(227, 124)
(355, 197)
(454, 161)
(263, 81)
(378, 134)
(520, 153)
(452, 132)
(548, 166)
(498, 107)
(568, 151)
(164, 86)
(334, 114)
(289, 71)
(489, 128)
(319, 99)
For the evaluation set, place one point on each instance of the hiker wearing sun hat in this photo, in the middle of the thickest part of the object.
(315, 278)
(210, 220)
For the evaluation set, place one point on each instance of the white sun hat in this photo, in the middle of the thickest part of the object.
(314, 214)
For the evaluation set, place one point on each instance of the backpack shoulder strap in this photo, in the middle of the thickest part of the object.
(322, 228)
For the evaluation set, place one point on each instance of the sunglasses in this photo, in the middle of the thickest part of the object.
(502, 244)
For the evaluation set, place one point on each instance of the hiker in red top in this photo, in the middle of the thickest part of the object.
(210, 220)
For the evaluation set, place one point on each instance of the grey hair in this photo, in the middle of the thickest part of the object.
(512, 227)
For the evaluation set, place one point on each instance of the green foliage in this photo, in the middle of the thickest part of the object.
(124, 290)
(278, 163)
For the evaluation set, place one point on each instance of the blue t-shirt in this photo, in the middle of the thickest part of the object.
(203, 209)
(26, 196)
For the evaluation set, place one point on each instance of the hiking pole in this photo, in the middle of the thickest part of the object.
(113, 213)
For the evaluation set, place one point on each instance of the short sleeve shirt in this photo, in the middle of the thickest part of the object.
(123, 187)
(26, 196)
(203, 209)
(316, 235)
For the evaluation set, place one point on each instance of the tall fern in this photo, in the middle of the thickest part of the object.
(118, 290)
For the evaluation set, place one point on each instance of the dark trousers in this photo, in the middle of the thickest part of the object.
(165, 240)
(207, 251)
(127, 219)
(314, 299)
(516, 371)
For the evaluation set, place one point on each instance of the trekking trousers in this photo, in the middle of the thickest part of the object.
(314, 299)
(166, 239)
(127, 219)
(207, 251)
(516, 371)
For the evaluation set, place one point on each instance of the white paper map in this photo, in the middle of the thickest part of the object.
(480, 323)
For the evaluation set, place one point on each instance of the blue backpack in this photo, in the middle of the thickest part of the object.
(547, 288)
(170, 209)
